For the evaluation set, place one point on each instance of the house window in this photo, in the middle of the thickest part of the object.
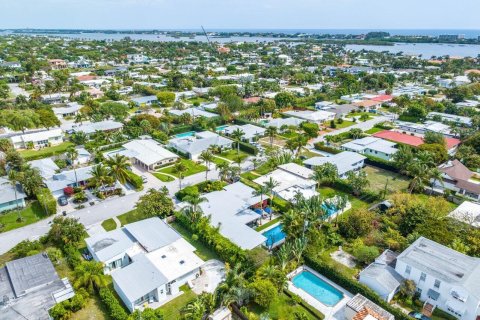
(419, 291)
(408, 269)
(423, 276)
(437, 284)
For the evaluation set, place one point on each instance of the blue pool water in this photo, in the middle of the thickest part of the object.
(185, 134)
(221, 128)
(317, 288)
(330, 209)
(274, 235)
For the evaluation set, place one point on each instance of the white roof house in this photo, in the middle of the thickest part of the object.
(92, 127)
(38, 138)
(146, 152)
(376, 147)
(250, 131)
(194, 112)
(427, 126)
(291, 178)
(71, 109)
(344, 161)
(68, 178)
(451, 118)
(280, 122)
(319, 116)
(445, 278)
(46, 167)
(192, 146)
(151, 253)
(230, 209)
(468, 212)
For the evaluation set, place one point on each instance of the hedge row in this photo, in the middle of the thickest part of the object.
(135, 180)
(46, 200)
(115, 309)
(314, 312)
(181, 129)
(248, 148)
(321, 146)
(377, 162)
(210, 237)
(353, 286)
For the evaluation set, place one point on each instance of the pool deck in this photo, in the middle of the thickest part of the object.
(336, 312)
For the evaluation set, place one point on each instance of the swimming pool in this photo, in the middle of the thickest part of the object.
(221, 128)
(274, 235)
(330, 209)
(317, 288)
(185, 134)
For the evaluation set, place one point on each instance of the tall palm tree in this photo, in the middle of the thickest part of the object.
(72, 155)
(180, 168)
(270, 185)
(223, 170)
(283, 255)
(194, 209)
(13, 178)
(207, 157)
(100, 175)
(435, 176)
(263, 190)
(118, 167)
(194, 310)
(89, 275)
(271, 133)
(237, 135)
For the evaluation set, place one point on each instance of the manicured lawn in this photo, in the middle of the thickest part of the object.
(378, 179)
(163, 177)
(268, 224)
(45, 152)
(327, 192)
(373, 130)
(31, 214)
(172, 310)
(202, 251)
(344, 124)
(289, 135)
(216, 161)
(282, 308)
(233, 155)
(192, 168)
(109, 225)
(249, 175)
(309, 154)
(130, 216)
(196, 99)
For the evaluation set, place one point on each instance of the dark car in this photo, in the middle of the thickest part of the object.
(418, 315)
(62, 200)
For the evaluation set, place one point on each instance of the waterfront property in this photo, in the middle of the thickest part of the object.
(148, 260)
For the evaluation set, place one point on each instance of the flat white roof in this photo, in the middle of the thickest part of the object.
(250, 131)
(468, 212)
(343, 160)
(148, 151)
(319, 115)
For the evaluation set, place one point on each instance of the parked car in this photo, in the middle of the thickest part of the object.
(62, 200)
(418, 315)
(144, 179)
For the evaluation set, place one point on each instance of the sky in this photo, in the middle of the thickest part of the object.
(240, 14)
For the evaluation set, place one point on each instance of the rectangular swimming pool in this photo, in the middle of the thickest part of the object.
(185, 134)
(317, 288)
(274, 235)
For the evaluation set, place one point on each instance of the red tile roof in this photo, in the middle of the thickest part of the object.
(383, 98)
(409, 139)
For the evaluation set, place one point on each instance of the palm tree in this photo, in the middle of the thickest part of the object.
(341, 203)
(118, 167)
(298, 247)
(435, 176)
(271, 132)
(89, 275)
(195, 310)
(263, 190)
(207, 157)
(194, 201)
(100, 175)
(284, 254)
(72, 155)
(223, 170)
(180, 168)
(270, 185)
(296, 144)
(237, 135)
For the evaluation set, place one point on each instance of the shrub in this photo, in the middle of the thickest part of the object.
(210, 186)
(248, 148)
(26, 248)
(366, 254)
(72, 256)
(115, 310)
(135, 180)
(265, 292)
(321, 146)
(187, 191)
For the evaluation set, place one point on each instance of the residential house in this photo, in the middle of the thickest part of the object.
(145, 101)
(468, 212)
(445, 278)
(375, 147)
(369, 105)
(46, 167)
(11, 197)
(230, 209)
(57, 64)
(91, 127)
(291, 179)
(459, 179)
(70, 110)
(319, 116)
(30, 287)
(194, 112)
(68, 178)
(137, 58)
(427, 126)
(360, 308)
(146, 153)
(281, 123)
(37, 139)
(250, 132)
(345, 162)
(453, 118)
(193, 145)
(381, 276)
(148, 260)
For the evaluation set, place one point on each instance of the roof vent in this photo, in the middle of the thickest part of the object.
(164, 256)
(182, 262)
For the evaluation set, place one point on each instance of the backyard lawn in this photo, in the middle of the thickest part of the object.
(192, 168)
(31, 214)
(233, 155)
(344, 124)
(45, 152)
(172, 310)
(130, 216)
(163, 177)
(202, 251)
(93, 310)
(109, 225)
(216, 161)
(378, 179)
(327, 192)
(374, 130)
